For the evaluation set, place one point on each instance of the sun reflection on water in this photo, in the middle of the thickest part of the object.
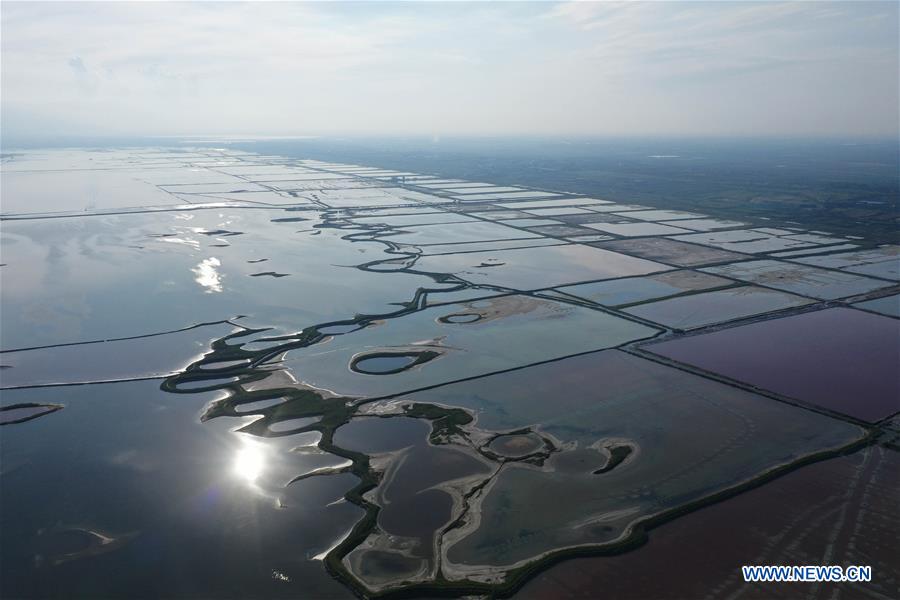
(249, 461)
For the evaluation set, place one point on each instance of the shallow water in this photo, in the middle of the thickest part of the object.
(222, 371)
(639, 289)
(801, 279)
(709, 308)
(528, 269)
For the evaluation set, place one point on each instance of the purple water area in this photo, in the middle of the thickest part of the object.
(787, 521)
(841, 359)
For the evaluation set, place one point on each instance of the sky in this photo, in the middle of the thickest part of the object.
(724, 68)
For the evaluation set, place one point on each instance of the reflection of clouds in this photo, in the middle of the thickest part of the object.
(186, 241)
(207, 276)
(139, 461)
(56, 318)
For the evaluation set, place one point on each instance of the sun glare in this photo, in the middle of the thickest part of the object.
(249, 462)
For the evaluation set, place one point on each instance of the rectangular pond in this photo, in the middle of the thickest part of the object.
(840, 359)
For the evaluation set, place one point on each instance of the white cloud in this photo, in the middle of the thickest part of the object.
(585, 67)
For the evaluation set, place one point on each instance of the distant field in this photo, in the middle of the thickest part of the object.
(847, 187)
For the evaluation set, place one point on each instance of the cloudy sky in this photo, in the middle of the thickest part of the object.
(696, 68)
